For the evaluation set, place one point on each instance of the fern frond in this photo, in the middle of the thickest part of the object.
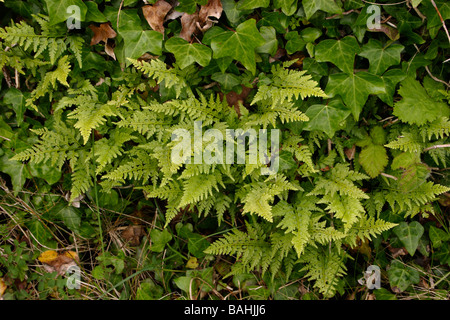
(365, 228)
(261, 194)
(49, 81)
(324, 266)
(408, 142)
(106, 150)
(199, 187)
(287, 85)
(157, 70)
(90, 115)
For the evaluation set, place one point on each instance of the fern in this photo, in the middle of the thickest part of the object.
(48, 83)
(157, 70)
(324, 267)
(287, 84)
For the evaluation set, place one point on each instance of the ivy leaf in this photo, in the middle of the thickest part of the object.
(40, 233)
(16, 170)
(438, 236)
(252, 4)
(373, 159)
(68, 215)
(417, 107)
(326, 117)
(227, 80)
(16, 99)
(159, 239)
(402, 276)
(312, 6)
(409, 235)
(271, 43)
(390, 79)
(288, 7)
(381, 58)
(58, 10)
(354, 89)
(138, 42)
(339, 52)
(188, 53)
(240, 45)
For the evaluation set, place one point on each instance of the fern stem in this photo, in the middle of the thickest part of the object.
(96, 194)
(436, 147)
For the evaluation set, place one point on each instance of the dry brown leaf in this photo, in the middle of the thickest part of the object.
(350, 152)
(2, 287)
(102, 33)
(109, 49)
(212, 9)
(52, 261)
(133, 234)
(188, 25)
(156, 13)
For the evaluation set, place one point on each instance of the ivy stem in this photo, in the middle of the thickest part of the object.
(437, 146)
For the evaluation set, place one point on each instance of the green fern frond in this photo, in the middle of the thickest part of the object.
(48, 83)
(325, 267)
(287, 85)
(365, 228)
(157, 70)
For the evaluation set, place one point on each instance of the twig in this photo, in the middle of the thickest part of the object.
(434, 78)
(442, 20)
(339, 14)
(388, 176)
(437, 146)
(384, 4)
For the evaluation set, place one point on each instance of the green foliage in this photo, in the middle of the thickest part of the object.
(363, 122)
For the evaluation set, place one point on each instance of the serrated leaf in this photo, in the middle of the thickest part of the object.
(409, 235)
(240, 45)
(402, 276)
(326, 117)
(188, 53)
(373, 159)
(381, 58)
(354, 89)
(339, 52)
(417, 107)
(312, 6)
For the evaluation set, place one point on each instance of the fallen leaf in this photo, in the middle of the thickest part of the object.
(350, 152)
(48, 256)
(213, 9)
(102, 33)
(2, 287)
(188, 25)
(237, 100)
(109, 49)
(58, 262)
(156, 13)
(192, 263)
(133, 234)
